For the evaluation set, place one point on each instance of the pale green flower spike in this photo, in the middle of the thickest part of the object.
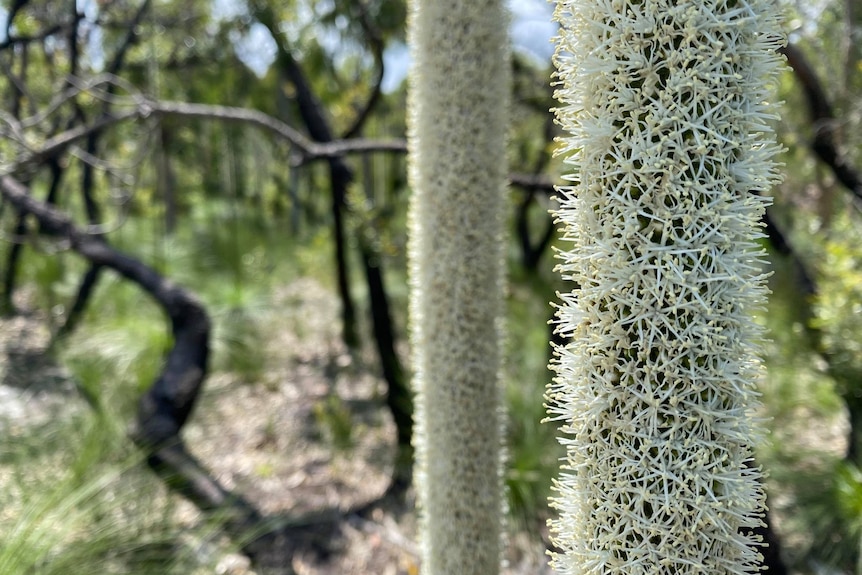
(665, 108)
(457, 126)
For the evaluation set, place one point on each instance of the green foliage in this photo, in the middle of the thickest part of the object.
(533, 452)
(807, 474)
(72, 503)
(120, 349)
(238, 344)
(838, 306)
(796, 374)
(848, 491)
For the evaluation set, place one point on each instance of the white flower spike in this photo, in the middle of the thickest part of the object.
(665, 106)
(457, 127)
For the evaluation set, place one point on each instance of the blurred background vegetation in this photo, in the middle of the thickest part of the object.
(236, 214)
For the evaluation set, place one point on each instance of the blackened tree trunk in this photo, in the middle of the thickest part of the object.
(167, 405)
(531, 251)
(398, 398)
(13, 258)
(340, 175)
(91, 277)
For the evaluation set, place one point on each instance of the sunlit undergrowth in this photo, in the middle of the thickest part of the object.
(119, 347)
(533, 451)
(836, 323)
(76, 494)
(234, 264)
(77, 499)
(810, 487)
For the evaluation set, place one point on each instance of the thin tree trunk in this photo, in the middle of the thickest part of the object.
(90, 279)
(398, 396)
(531, 253)
(7, 305)
(340, 176)
(167, 180)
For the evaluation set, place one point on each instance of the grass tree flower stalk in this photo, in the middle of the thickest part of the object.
(457, 130)
(665, 108)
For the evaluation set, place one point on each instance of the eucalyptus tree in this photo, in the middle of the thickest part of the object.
(665, 105)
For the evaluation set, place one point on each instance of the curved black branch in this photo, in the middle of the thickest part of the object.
(169, 402)
(166, 406)
(823, 120)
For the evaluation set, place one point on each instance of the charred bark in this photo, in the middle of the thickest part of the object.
(398, 398)
(90, 279)
(826, 148)
(167, 405)
(531, 253)
(826, 137)
(13, 258)
(7, 305)
(340, 177)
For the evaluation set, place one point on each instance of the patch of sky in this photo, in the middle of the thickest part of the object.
(255, 48)
(807, 14)
(531, 31)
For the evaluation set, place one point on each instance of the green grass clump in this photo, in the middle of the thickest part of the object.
(533, 451)
(77, 499)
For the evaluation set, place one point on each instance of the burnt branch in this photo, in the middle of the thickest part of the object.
(130, 38)
(531, 253)
(141, 108)
(825, 143)
(90, 279)
(12, 41)
(306, 148)
(167, 405)
(533, 183)
(163, 410)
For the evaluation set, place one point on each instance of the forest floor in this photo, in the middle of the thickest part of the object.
(311, 438)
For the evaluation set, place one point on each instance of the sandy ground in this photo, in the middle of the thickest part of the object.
(308, 442)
